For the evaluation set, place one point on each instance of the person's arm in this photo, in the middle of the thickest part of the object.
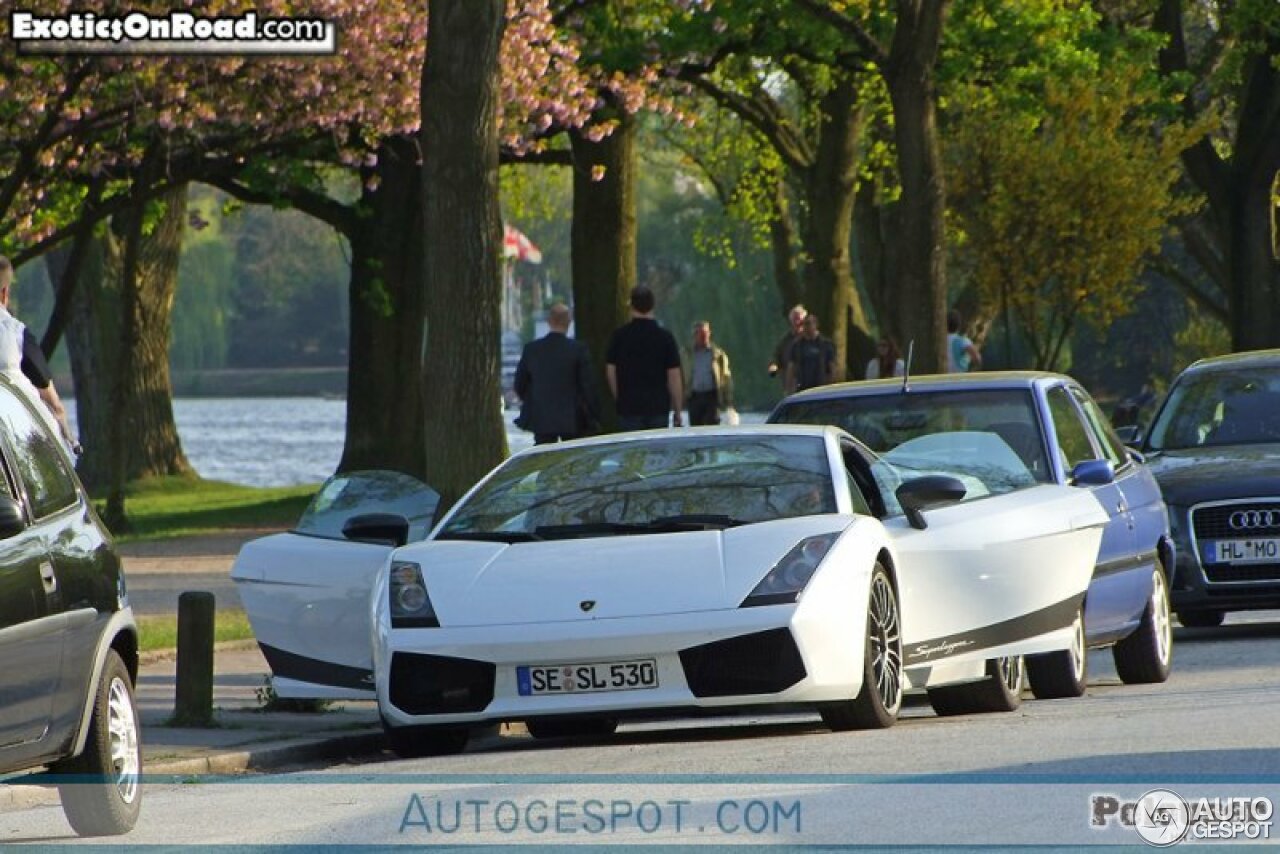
(975, 358)
(611, 376)
(522, 379)
(675, 387)
(49, 395)
(726, 374)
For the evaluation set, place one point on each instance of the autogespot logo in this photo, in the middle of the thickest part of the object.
(1244, 520)
(1161, 818)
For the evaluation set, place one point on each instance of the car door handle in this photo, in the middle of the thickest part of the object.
(48, 579)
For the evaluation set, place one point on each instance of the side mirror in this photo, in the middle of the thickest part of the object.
(1130, 434)
(920, 494)
(12, 520)
(1093, 473)
(377, 528)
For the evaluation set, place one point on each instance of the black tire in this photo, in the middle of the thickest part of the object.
(1000, 691)
(1201, 619)
(102, 792)
(880, 698)
(415, 742)
(571, 727)
(1146, 655)
(1056, 675)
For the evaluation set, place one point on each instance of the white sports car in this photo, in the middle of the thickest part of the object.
(649, 572)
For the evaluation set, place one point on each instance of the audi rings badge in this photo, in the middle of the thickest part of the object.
(1248, 520)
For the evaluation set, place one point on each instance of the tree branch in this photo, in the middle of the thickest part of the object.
(845, 25)
(790, 147)
(327, 210)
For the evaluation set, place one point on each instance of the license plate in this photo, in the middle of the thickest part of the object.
(1262, 550)
(536, 679)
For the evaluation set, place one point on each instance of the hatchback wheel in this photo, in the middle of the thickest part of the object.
(1146, 655)
(1054, 675)
(102, 787)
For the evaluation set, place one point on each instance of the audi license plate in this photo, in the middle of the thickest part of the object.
(535, 679)
(1257, 550)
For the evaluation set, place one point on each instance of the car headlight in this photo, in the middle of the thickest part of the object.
(789, 576)
(410, 604)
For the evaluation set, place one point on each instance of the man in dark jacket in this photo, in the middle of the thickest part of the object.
(554, 382)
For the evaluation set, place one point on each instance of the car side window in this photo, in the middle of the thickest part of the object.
(1106, 438)
(50, 485)
(1073, 438)
(861, 505)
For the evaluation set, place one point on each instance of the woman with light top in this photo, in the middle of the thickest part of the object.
(887, 362)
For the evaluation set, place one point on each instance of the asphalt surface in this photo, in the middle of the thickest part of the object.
(158, 572)
(1027, 777)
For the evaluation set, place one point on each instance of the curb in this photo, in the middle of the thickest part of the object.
(155, 656)
(29, 791)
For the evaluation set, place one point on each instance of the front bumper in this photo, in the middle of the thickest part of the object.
(745, 656)
(1217, 587)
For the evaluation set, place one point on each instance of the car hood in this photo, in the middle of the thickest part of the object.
(1212, 474)
(480, 583)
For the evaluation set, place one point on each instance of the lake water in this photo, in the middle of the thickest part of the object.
(278, 441)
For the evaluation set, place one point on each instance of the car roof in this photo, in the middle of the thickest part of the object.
(1237, 361)
(776, 430)
(986, 380)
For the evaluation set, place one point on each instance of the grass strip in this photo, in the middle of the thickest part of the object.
(160, 631)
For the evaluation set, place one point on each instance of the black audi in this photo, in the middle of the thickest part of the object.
(1214, 447)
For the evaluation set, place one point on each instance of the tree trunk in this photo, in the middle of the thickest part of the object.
(829, 184)
(385, 382)
(603, 244)
(918, 238)
(1252, 266)
(96, 335)
(875, 263)
(782, 241)
(462, 241)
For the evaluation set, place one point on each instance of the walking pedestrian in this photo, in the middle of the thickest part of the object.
(643, 369)
(887, 362)
(23, 362)
(813, 358)
(553, 380)
(782, 352)
(710, 381)
(962, 355)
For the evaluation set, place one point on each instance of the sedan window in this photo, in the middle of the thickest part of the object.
(1219, 408)
(989, 438)
(1074, 445)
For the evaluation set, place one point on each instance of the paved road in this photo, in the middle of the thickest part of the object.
(157, 572)
(1022, 778)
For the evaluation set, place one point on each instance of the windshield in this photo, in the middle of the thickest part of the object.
(357, 493)
(1240, 407)
(989, 439)
(653, 485)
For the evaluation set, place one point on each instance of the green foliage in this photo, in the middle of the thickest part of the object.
(1063, 170)
(740, 299)
(1202, 337)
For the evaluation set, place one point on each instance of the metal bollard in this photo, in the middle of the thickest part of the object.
(193, 704)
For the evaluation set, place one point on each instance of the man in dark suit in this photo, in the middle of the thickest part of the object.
(554, 382)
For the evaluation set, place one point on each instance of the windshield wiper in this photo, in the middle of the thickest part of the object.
(490, 536)
(695, 522)
(588, 529)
